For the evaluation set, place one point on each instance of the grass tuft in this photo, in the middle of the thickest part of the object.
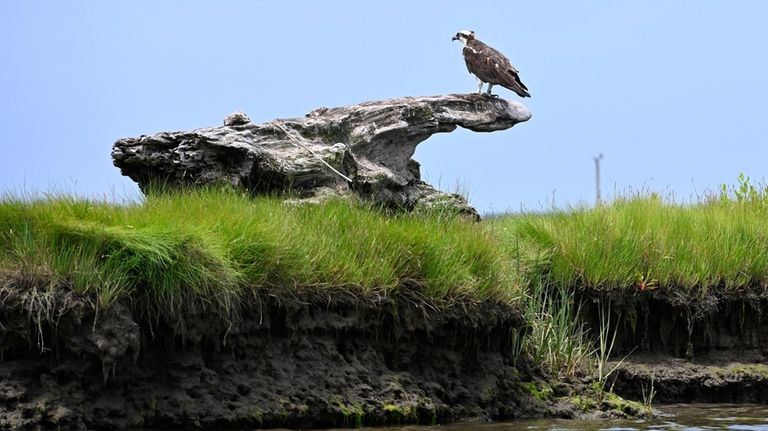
(212, 247)
(648, 243)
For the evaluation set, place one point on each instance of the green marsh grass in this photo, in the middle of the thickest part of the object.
(213, 247)
(647, 242)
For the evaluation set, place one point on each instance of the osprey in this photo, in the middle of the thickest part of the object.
(489, 65)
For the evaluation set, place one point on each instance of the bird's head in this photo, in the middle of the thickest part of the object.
(464, 36)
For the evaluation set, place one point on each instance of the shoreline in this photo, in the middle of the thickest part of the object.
(337, 361)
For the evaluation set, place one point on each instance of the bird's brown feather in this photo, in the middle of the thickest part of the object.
(492, 67)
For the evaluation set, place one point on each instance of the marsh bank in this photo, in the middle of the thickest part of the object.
(343, 360)
(336, 361)
(208, 305)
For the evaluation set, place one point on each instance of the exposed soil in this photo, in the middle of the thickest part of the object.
(68, 364)
(679, 326)
(727, 380)
(343, 360)
(708, 348)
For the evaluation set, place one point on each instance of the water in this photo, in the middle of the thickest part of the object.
(677, 417)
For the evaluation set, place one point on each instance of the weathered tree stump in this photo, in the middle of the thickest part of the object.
(363, 149)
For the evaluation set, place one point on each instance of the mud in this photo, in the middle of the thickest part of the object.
(68, 364)
(344, 360)
(682, 327)
(674, 380)
(709, 348)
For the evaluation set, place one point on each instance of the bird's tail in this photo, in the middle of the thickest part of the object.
(521, 91)
(515, 84)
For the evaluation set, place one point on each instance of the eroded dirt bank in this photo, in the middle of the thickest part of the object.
(343, 360)
(707, 348)
(69, 364)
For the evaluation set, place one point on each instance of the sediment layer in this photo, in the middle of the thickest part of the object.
(709, 347)
(307, 361)
(68, 363)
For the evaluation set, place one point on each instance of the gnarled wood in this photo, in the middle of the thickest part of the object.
(370, 143)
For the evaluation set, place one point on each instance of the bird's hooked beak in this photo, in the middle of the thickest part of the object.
(454, 38)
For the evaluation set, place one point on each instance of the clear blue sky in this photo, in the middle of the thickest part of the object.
(674, 94)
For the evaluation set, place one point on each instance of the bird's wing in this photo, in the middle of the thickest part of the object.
(502, 69)
(479, 59)
(473, 58)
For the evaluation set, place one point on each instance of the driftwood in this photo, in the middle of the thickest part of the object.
(363, 149)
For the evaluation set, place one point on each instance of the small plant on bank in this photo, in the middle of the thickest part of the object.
(557, 339)
(745, 193)
(606, 340)
(650, 392)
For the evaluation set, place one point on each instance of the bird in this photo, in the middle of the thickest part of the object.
(489, 65)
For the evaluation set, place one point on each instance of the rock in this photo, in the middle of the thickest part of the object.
(236, 119)
(363, 149)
